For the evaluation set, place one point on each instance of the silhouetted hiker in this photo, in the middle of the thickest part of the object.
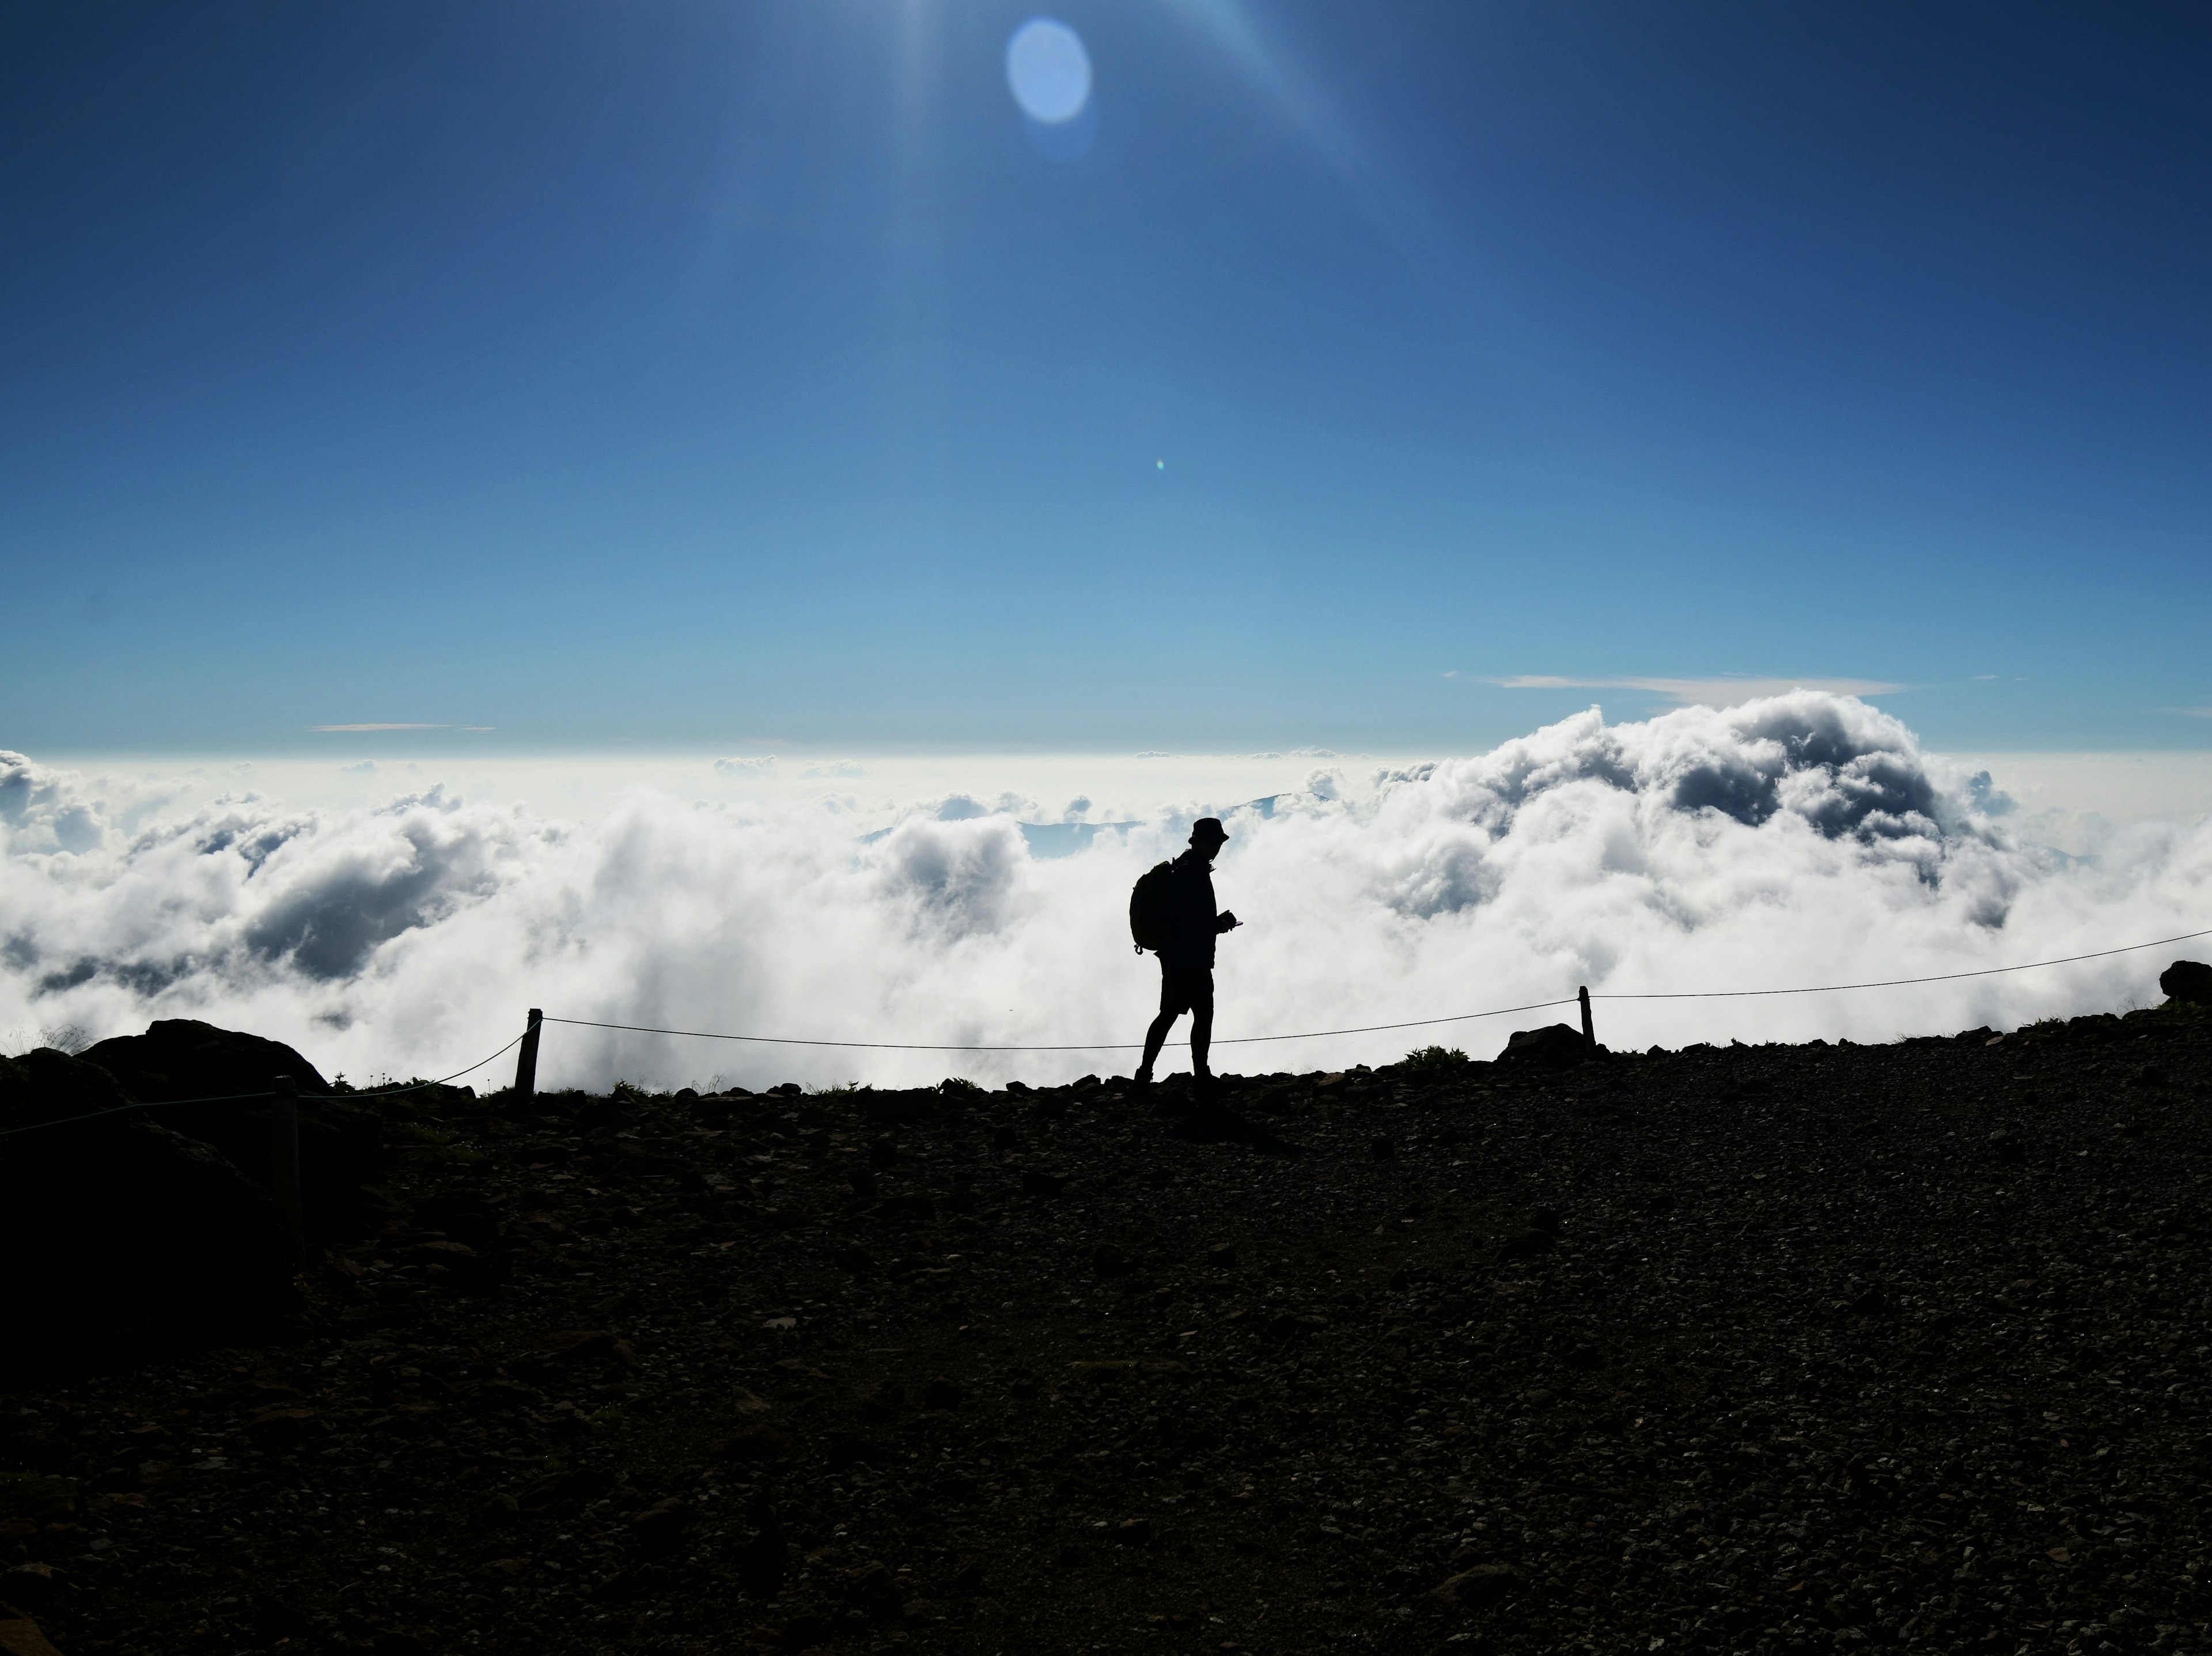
(1172, 911)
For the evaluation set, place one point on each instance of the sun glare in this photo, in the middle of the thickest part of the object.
(1048, 71)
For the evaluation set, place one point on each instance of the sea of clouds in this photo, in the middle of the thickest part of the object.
(1799, 840)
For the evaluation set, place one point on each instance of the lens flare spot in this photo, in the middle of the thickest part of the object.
(1049, 70)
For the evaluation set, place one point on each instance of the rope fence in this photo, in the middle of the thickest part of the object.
(1580, 998)
(1896, 983)
(526, 1064)
(1073, 1046)
(286, 1185)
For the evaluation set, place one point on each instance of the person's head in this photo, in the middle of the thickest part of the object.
(1208, 836)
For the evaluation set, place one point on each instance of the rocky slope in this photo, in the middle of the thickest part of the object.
(1758, 1349)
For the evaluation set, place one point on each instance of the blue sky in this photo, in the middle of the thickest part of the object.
(651, 376)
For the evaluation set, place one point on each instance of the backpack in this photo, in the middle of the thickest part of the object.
(1148, 909)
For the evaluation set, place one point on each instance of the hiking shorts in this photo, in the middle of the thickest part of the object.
(1186, 985)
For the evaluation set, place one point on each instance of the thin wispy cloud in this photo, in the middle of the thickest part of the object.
(1245, 758)
(1722, 692)
(473, 730)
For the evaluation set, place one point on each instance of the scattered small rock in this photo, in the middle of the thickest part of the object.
(20, 1637)
(1872, 1301)
(33, 1587)
(1479, 1587)
(659, 1530)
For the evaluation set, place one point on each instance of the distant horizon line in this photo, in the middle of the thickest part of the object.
(522, 749)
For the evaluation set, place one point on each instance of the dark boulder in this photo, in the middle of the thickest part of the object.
(183, 1058)
(897, 1105)
(340, 1143)
(123, 1238)
(2190, 981)
(1555, 1047)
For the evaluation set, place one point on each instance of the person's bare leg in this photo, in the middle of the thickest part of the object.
(1155, 1038)
(1201, 1039)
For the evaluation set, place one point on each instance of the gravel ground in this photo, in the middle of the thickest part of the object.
(1753, 1348)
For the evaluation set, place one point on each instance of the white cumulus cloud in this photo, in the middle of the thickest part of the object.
(1801, 838)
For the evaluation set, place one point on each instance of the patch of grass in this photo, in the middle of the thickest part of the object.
(956, 1086)
(69, 1038)
(420, 1094)
(843, 1086)
(1432, 1058)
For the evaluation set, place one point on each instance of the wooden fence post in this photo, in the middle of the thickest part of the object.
(284, 1162)
(526, 1061)
(1589, 1030)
